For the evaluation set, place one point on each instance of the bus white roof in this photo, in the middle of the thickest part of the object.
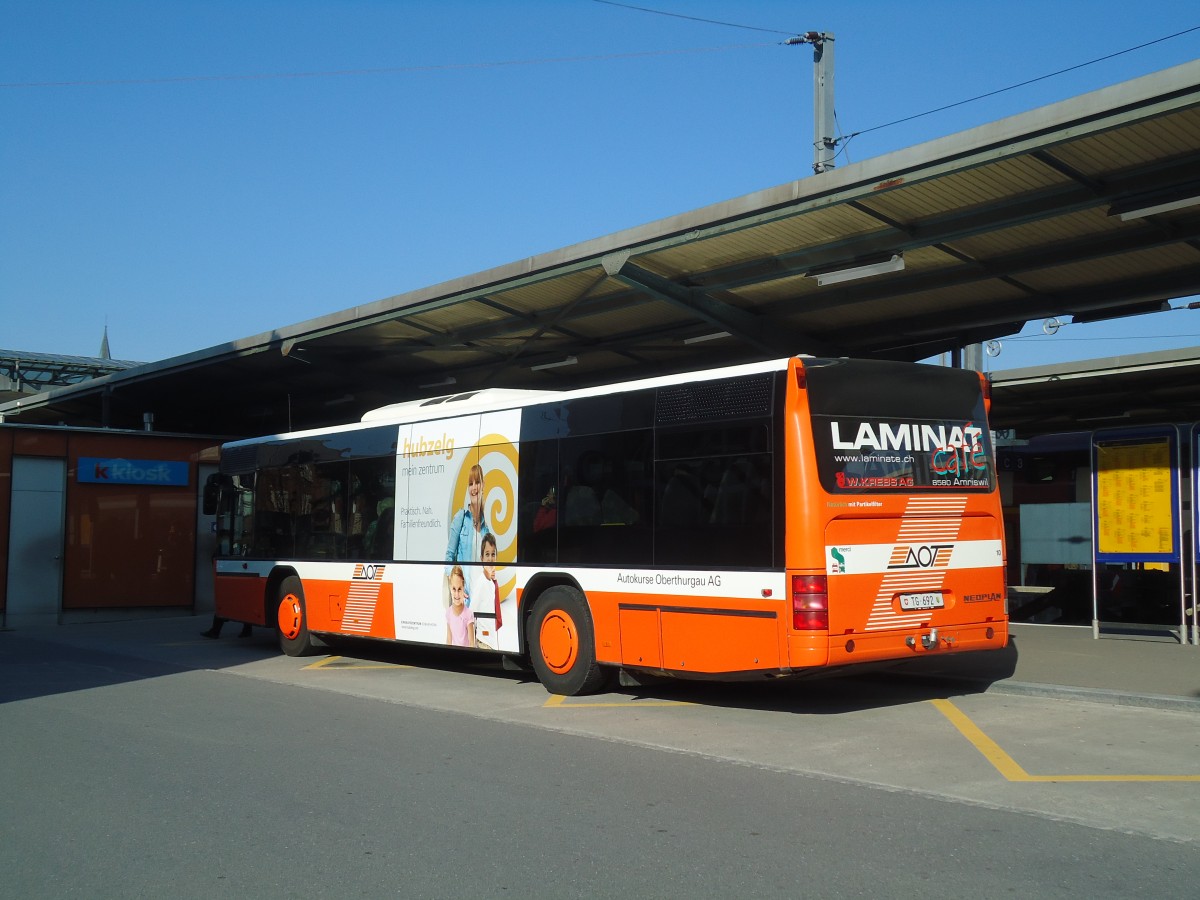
(467, 401)
(495, 399)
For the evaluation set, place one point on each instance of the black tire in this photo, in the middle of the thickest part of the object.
(291, 620)
(562, 643)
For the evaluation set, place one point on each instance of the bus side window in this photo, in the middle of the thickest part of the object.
(715, 512)
(734, 495)
(714, 495)
(682, 504)
(372, 508)
(606, 510)
(324, 534)
(381, 532)
(538, 512)
(273, 520)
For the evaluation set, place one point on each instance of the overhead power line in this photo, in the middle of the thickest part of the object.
(844, 139)
(1013, 87)
(660, 12)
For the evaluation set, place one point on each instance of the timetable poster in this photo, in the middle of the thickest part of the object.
(1136, 504)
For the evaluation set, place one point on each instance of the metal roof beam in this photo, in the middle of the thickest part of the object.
(554, 322)
(1074, 197)
(1005, 268)
(985, 327)
(913, 236)
(1052, 162)
(751, 329)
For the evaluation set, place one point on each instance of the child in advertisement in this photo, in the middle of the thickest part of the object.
(485, 596)
(460, 622)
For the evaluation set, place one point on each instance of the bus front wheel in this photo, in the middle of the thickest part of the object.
(562, 643)
(292, 619)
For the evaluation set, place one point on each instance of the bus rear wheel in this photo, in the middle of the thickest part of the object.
(291, 619)
(562, 643)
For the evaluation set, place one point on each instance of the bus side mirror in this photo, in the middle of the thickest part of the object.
(212, 491)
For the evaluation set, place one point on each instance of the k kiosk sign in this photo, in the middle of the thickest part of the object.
(100, 470)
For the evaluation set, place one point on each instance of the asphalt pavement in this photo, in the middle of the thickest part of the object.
(148, 762)
(1059, 661)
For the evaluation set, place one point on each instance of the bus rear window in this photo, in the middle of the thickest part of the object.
(861, 455)
(883, 427)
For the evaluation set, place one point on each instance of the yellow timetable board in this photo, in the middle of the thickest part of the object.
(1134, 498)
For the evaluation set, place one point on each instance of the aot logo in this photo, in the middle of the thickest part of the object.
(923, 556)
(368, 572)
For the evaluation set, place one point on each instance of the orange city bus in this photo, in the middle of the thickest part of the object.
(761, 520)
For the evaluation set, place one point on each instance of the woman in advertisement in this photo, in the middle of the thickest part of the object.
(469, 525)
(467, 531)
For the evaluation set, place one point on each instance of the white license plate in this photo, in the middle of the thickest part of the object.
(925, 600)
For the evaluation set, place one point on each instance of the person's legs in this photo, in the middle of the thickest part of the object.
(214, 630)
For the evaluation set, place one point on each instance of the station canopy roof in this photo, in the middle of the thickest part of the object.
(23, 373)
(1120, 391)
(1088, 208)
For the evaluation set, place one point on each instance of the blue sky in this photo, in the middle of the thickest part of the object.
(193, 173)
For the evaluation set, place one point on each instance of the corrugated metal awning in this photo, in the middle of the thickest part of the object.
(1042, 214)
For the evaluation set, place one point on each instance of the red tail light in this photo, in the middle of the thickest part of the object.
(810, 603)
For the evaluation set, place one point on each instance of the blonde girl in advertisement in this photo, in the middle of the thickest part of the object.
(460, 622)
(468, 526)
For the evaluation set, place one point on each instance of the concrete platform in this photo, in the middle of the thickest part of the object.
(1067, 661)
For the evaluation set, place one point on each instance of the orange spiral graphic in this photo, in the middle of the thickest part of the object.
(498, 457)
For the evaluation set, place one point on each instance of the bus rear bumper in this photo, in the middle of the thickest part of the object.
(847, 649)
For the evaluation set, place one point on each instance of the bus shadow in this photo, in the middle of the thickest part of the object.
(848, 690)
(824, 693)
(79, 657)
(31, 668)
(38, 665)
(434, 657)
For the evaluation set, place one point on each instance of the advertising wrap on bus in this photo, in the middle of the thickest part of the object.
(457, 503)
